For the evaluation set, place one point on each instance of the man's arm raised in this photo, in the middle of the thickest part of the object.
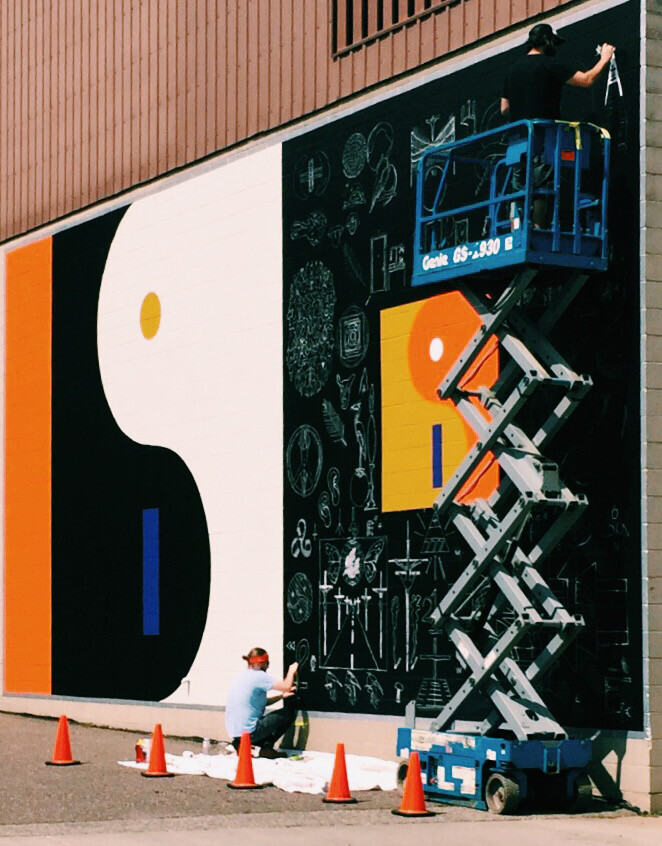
(584, 79)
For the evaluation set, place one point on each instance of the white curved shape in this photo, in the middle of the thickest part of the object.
(209, 384)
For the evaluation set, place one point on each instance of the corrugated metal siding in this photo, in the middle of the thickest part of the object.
(99, 95)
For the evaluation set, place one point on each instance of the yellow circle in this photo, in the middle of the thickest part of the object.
(150, 315)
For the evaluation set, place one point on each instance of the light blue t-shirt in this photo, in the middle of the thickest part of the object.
(247, 699)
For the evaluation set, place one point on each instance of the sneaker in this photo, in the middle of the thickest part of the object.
(270, 752)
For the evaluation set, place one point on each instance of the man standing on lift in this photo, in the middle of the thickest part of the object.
(532, 87)
(532, 90)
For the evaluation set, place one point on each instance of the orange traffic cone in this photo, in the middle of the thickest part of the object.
(157, 765)
(339, 786)
(62, 749)
(413, 800)
(244, 779)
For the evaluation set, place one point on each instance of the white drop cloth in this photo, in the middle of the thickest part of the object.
(307, 772)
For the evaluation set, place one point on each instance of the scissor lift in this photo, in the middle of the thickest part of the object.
(495, 742)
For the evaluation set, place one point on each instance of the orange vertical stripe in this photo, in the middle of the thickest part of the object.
(28, 470)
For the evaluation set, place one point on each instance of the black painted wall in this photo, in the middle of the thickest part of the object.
(348, 206)
(102, 481)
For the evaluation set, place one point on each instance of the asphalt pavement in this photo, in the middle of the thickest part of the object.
(103, 804)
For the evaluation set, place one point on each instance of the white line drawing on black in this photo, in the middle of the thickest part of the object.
(311, 175)
(315, 535)
(396, 258)
(353, 528)
(435, 546)
(415, 610)
(374, 690)
(461, 230)
(323, 509)
(312, 228)
(310, 328)
(313, 663)
(333, 483)
(335, 234)
(301, 545)
(333, 684)
(396, 265)
(299, 598)
(339, 528)
(434, 691)
(371, 450)
(353, 336)
(359, 483)
(612, 594)
(352, 556)
(303, 460)
(364, 384)
(325, 587)
(334, 425)
(386, 184)
(302, 653)
(345, 387)
(354, 155)
(379, 278)
(380, 144)
(372, 559)
(381, 591)
(352, 264)
(468, 117)
(334, 562)
(421, 140)
(398, 687)
(406, 570)
(340, 605)
(395, 620)
(365, 599)
(352, 223)
(352, 632)
(352, 687)
(616, 528)
(291, 645)
(354, 196)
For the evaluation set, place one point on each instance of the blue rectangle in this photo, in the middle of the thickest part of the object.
(151, 599)
(436, 456)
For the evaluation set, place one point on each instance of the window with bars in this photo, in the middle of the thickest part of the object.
(358, 22)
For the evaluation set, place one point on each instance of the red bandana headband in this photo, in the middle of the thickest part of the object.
(259, 659)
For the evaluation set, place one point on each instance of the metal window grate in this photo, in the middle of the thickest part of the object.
(359, 22)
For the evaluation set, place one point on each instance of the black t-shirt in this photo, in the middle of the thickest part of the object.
(533, 87)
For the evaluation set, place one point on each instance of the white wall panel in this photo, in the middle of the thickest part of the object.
(209, 384)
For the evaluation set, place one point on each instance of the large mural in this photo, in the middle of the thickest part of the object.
(368, 446)
(178, 369)
(137, 449)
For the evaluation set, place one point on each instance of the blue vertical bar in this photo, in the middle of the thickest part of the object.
(151, 607)
(436, 456)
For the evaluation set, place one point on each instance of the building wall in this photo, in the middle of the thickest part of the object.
(102, 95)
(651, 323)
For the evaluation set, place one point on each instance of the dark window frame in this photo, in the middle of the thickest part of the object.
(357, 23)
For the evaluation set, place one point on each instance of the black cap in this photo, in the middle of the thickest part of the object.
(542, 34)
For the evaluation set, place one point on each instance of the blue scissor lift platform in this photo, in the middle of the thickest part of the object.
(495, 213)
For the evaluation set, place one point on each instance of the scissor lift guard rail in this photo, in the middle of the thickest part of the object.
(537, 199)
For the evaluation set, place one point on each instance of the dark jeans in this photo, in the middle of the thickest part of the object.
(273, 725)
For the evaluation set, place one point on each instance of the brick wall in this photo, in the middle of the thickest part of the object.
(651, 303)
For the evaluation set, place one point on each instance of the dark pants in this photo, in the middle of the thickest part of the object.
(273, 725)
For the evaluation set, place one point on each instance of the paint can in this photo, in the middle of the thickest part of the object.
(142, 750)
